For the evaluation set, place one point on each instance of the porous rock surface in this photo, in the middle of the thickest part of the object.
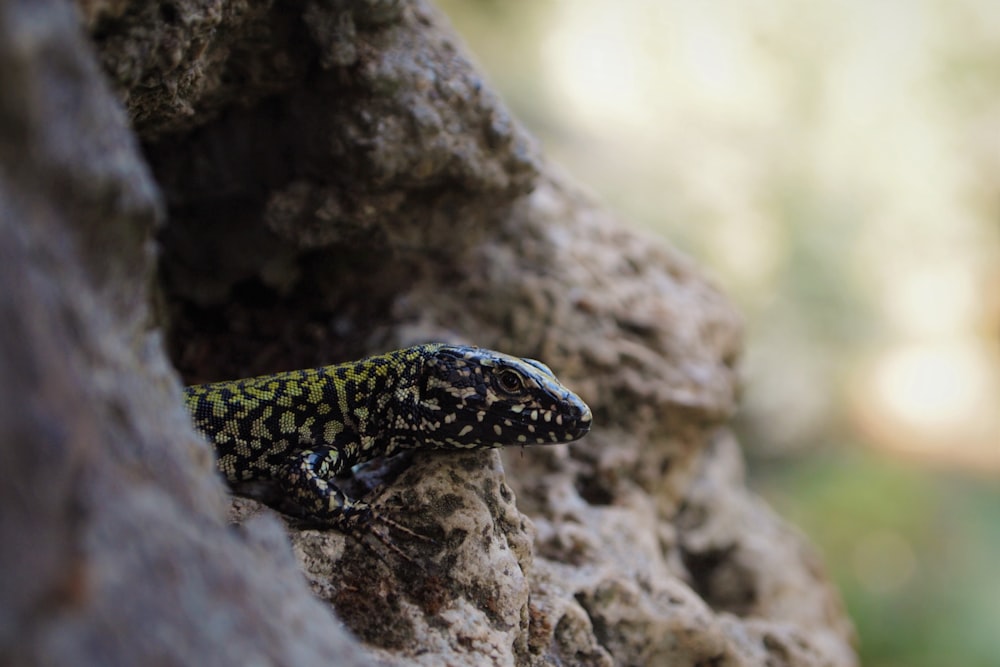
(333, 178)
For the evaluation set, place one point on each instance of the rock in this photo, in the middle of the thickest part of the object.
(325, 180)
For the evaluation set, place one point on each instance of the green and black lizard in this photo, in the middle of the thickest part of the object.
(299, 430)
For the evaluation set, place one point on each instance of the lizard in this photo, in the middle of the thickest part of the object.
(301, 430)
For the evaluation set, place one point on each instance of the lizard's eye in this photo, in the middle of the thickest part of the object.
(510, 381)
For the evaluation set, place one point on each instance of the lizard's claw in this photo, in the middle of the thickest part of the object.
(367, 522)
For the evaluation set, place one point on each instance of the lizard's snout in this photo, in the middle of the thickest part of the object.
(577, 418)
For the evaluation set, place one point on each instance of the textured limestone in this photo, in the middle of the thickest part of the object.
(337, 180)
(632, 561)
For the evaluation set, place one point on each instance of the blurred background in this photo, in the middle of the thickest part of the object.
(835, 166)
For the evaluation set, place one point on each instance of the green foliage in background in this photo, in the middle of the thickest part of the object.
(913, 551)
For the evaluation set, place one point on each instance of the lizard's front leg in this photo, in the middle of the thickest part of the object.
(307, 480)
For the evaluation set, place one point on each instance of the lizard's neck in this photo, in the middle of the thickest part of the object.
(391, 404)
(397, 410)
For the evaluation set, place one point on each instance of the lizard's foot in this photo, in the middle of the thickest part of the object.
(367, 522)
(392, 523)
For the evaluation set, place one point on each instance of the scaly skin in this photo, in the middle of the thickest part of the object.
(301, 429)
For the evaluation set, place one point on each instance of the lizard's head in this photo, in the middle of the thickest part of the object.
(470, 397)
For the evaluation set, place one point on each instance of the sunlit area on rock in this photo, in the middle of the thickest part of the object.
(835, 166)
